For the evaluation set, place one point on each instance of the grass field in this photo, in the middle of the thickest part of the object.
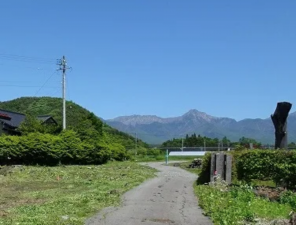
(184, 165)
(65, 194)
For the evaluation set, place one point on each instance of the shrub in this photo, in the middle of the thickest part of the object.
(276, 165)
(255, 165)
(204, 176)
(154, 152)
(65, 148)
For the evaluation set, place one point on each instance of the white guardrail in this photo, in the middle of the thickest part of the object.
(191, 153)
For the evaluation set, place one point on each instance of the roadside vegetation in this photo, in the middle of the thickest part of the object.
(64, 194)
(87, 140)
(64, 177)
(184, 166)
(239, 205)
(262, 191)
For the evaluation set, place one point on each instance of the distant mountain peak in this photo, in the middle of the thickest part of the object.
(194, 113)
(137, 119)
(156, 129)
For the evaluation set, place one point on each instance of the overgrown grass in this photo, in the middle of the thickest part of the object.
(184, 165)
(254, 183)
(65, 194)
(238, 205)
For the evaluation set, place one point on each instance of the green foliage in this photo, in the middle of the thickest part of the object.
(255, 165)
(198, 141)
(276, 165)
(32, 125)
(88, 126)
(125, 139)
(184, 166)
(288, 197)
(246, 141)
(265, 165)
(194, 140)
(65, 148)
(292, 145)
(204, 176)
(239, 205)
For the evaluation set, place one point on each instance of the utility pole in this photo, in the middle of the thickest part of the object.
(63, 66)
(204, 145)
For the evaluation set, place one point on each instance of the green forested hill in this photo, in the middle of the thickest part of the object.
(78, 118)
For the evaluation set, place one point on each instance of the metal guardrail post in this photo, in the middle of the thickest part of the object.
(167, 157)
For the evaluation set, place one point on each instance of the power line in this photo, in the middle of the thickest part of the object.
(45, 82)
(27, 67)
(25, 86)
(57, 89)
(26, 58)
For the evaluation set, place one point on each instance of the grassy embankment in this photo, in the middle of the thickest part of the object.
(184, 165)
(65, 194)
(238, 205)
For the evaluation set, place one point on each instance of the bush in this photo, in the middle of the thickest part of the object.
(65, 148)
(276, 165)
(204, 176)
(288, 197)
(255, 165)
(155, 152)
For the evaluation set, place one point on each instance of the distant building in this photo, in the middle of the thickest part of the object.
(10, 121)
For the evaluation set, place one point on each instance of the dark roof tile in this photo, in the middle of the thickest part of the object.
(16, 118)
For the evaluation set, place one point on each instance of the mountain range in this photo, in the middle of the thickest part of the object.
(155, 130)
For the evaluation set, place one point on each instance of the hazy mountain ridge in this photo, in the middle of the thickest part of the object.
(154, 129)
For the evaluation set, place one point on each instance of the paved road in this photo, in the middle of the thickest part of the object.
(167, 199)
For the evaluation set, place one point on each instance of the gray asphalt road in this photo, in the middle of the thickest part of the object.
(166, 199)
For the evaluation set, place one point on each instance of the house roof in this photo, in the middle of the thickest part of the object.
(45, 118)
(15, 118)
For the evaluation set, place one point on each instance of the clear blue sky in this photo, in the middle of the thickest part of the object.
(159, 57)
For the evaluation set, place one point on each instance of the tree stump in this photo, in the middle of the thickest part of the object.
(279, 119)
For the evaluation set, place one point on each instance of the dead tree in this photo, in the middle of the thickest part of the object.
(279, 119)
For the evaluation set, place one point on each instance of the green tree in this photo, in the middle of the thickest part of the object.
(225, 141)
(31, 125)
(292, 145)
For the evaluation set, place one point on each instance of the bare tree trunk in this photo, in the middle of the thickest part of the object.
(279, 119)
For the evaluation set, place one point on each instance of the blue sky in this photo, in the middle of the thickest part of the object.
(156, 57)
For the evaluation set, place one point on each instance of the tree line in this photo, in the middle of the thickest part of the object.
(200, 141)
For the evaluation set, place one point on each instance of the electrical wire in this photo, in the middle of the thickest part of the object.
(26, 58)
(45, 82)
(15, 85)
(27, 67)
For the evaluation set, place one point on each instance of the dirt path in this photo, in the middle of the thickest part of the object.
(166, 199)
